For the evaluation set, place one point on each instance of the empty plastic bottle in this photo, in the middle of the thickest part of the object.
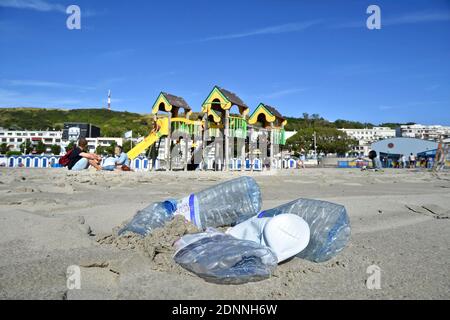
(220, 205)
(328, 223)
(221, 258)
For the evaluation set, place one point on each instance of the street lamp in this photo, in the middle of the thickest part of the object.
(315, 145)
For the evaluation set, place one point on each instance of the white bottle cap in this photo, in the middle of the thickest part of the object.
(287, 235)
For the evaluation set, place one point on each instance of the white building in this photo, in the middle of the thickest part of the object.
(14, 138)
(367, 136)
(419, 131)
(93, 143)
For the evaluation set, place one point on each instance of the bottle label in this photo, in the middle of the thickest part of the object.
(187, 208)
(261, 214)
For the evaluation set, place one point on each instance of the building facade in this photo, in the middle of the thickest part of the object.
(93, 143)
(74, 130)
(367, 136)
(14, 138)
(419, 131)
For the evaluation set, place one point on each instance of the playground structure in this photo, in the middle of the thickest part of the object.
(441, 156)
(271, 126)
(218, 139)
(150, 139)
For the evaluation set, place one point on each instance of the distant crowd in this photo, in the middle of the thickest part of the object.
(408, 162)
(412, 161)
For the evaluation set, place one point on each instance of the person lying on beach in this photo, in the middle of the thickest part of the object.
(80, 160)
(117, 162)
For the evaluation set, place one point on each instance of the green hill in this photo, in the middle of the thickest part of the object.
(112, 123)
(115, 123)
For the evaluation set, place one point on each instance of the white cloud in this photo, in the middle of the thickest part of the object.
(116, 54)
(432, 87)
(284, 28)
(385, 107)
(6, 93)
(13, 98)
(413, 105)
(37, 5)
(407, 18)
(38, 93)
(418, 17)
(10, 98)
(282, 93)
(45, 84)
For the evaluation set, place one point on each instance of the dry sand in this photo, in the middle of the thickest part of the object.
(52, 218)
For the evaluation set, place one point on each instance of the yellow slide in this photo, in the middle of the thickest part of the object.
(150, 139)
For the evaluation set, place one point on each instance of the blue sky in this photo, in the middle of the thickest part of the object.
(299, 56)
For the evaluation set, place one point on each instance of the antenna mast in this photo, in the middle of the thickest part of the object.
(109, 100)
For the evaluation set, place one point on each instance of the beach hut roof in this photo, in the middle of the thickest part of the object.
(274, 111)
(176, 101)
(220, 99)
(270, 114)
(232, 97)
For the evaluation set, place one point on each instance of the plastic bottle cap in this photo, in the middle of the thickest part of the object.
(287, 235)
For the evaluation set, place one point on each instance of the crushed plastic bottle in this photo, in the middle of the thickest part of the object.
(221, 258)
(220, 205)
(328, 223)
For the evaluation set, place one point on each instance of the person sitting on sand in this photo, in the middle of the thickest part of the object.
(120, 159)
(80, 160)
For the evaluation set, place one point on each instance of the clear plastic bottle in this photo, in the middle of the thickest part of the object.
(221, 258)
(220, 205)
(328, 223)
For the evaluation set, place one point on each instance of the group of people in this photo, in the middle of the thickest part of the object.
(80, 159)
(411, 162)
(402, 162)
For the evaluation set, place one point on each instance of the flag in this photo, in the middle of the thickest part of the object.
(128, 134)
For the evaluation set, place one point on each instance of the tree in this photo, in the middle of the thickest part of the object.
(110, 150)
(106, 150)
(40, 147)
(56, 149)
(26, 147)
(100, 150)
(345, 124)
(4, 148)
(328, 140)
(70, 145)
(112, 132)
(126, 145)
(13, 153)
(306, 118)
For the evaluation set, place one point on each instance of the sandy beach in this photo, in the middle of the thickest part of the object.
(53, 218)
